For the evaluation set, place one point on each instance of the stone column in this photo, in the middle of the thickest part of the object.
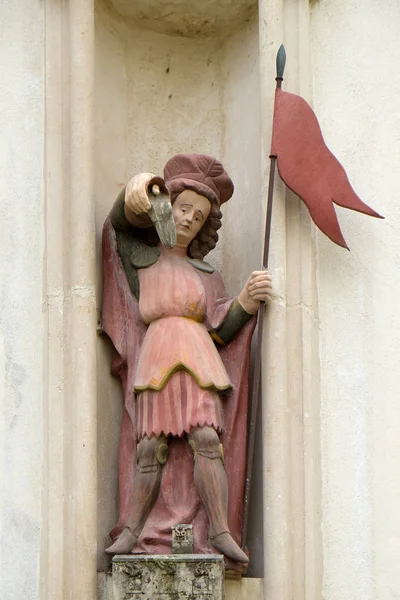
(68, 553)
(292, 482)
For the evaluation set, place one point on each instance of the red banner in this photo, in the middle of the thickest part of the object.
(309, 168)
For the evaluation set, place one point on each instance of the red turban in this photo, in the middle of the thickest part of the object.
(200, 173)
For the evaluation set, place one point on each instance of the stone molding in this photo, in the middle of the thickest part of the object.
(291, 401)
(68, 553)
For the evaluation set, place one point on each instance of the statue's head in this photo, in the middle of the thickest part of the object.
(198, 185)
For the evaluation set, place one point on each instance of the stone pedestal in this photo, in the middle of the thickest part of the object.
(168, 577)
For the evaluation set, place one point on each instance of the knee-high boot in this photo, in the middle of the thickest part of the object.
(212, 486)
(152, 455)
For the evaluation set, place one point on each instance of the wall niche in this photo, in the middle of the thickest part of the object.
(176, 76)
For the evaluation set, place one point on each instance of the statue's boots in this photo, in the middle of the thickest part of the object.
(212, 486)
(152, 454)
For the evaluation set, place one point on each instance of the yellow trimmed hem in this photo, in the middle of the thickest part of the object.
(181, 367)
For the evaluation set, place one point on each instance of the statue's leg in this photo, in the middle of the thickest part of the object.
(212, 486)
(152, 454)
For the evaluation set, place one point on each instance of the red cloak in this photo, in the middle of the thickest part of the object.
(178, 501)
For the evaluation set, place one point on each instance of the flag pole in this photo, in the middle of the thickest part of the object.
(280, 68)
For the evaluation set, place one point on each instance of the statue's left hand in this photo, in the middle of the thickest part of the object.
(257, 289)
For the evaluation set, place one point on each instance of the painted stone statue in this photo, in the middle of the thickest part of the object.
(182, 353)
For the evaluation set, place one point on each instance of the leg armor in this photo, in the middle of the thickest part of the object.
(204, 443)
(152, 454)
(212, 486)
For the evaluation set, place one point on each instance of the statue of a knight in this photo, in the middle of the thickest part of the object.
(182, 353)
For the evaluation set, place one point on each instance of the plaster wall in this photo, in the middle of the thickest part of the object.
(22, 331)
(241, 234)
(356, 89)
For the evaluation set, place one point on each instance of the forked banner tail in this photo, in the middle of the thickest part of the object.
(309, 168)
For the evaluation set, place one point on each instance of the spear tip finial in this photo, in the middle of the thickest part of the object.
(280, 62)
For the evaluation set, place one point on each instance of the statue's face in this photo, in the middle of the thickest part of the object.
(190, 211)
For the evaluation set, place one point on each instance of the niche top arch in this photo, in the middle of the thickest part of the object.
(185, 17)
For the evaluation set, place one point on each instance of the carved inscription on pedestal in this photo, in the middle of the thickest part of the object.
(168, 577)
(182, 539)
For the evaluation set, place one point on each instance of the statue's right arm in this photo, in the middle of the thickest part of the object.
(123, 219)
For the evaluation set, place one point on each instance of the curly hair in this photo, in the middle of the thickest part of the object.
(207, 238)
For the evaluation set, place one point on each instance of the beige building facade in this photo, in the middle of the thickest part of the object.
(95, 91)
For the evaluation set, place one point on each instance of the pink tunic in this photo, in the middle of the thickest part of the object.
(173, 304)
(179, 370)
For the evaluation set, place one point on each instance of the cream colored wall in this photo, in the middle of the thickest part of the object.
(240, 243)
(356, 54)
(22, 324)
